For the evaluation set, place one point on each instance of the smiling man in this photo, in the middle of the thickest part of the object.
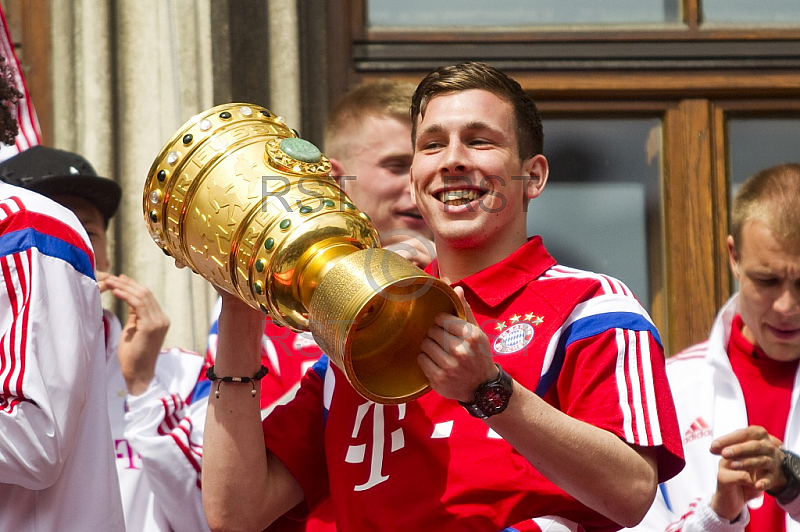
(736, 393)
(550, 407)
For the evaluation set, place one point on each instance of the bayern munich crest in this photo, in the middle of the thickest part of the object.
(514, 339)
(518, 335)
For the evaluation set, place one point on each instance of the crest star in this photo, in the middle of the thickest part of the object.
(515, 318)
(529, 316)
(500, 326)
(537, 320)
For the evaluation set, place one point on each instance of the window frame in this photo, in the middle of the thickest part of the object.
(692, 76)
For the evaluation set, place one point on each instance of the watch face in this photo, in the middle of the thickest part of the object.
(491, 397)
(794, 464)
(495, 398)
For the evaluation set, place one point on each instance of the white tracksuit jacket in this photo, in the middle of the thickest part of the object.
(158, 447)
(56, 462)
(709, 403)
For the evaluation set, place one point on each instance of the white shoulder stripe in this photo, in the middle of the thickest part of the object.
(608, 304)
(609, 284)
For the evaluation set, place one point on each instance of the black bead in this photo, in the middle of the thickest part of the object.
(224, 115)
(187, 138)
(162, 175)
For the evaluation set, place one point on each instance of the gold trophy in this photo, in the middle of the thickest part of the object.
(239, 198)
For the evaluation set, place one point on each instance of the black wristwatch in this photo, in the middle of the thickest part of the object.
(491, 397)
(790, 465)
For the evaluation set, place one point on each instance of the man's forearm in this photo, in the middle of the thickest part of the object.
(589, 463)
(240, 488)
(234, 460)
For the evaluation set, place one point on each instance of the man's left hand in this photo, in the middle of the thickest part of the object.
(457, 356)
(143, 334)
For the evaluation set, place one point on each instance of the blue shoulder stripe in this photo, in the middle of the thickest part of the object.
(321, 366)
(599, 323)
(590, 326)
(25, 239)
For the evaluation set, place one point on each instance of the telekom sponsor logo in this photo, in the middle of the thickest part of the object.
(698, 429)
(126, 455)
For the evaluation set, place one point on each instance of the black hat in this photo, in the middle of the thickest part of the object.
(53, 172)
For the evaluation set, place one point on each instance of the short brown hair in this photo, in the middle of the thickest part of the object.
(773, 197)
(384, 97)
(474, 75)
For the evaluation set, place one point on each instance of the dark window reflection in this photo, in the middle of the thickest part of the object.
(601, 208)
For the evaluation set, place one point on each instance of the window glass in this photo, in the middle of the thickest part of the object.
(749, 13)
(758, 143)
(600, 210)
(446, 13)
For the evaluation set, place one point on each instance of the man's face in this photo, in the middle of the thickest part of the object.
(93, 223)
(375, 174)
(467, 177)
(769, 284)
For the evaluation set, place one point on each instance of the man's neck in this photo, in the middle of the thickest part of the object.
(457, 263)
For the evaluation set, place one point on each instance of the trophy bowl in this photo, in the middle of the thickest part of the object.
(240, 199)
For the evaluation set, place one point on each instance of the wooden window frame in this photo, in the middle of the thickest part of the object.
(693, 77)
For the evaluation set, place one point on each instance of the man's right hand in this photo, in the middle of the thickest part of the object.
(750, 464)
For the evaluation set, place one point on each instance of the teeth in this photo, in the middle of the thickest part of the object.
(458, 197)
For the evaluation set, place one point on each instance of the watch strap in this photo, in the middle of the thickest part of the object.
(491, 397)
(790, 465)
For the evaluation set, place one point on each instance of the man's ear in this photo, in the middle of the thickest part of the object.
(411, 189)
(538, 169)
(337, 171)
(733, 256)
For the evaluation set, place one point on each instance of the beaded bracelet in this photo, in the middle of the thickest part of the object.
(260, 374)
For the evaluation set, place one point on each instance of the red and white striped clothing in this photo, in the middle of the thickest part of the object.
(56, 460)
(581, 340)
(158, 439)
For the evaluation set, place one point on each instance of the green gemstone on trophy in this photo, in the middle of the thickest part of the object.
(301, 150)
(328, 203)
(268, 243)
(260, 265)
